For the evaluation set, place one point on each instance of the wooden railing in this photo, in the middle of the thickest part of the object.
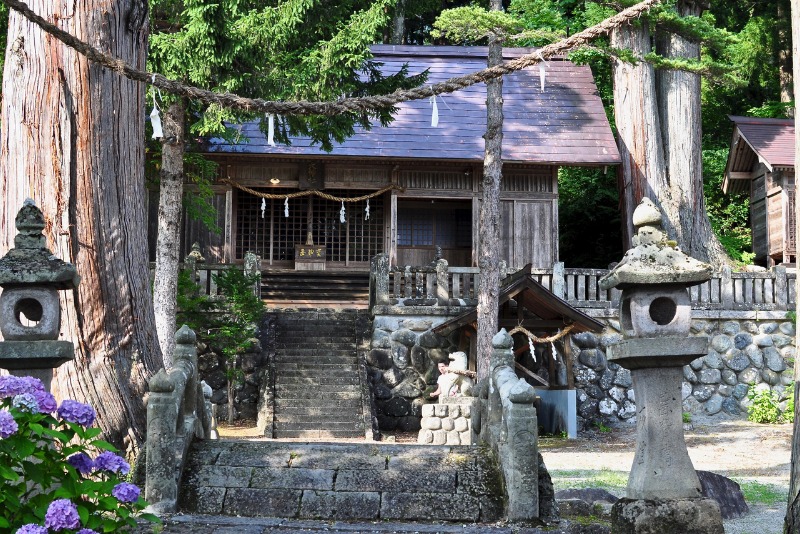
(441, 285)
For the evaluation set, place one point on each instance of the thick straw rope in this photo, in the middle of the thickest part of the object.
(535, 339)
(275, 196)
(345, 105)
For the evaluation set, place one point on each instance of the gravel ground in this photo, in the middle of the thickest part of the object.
(743, 451)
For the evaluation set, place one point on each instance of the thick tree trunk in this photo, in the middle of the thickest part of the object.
(658, 121)
(72, 139)
(398, 34)
(785, 50)
(165, 284)
(792, 520)
(489, 222)
(636, 116)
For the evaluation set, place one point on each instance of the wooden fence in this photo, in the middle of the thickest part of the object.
(458, 286)
(441, 285)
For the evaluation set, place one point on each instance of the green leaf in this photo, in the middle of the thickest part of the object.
(61, 436)
(150, 517)
(4, 522)
(83, 513)
(8, 474)
(101, 444)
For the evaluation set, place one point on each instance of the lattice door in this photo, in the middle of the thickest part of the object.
(274, 236)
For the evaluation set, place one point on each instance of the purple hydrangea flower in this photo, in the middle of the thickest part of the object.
(25, 402)
(31, 528)
(61, 514)
(47, 403)
(7, 424)
(81, 462)
(29, 384)
(125, 492)
(108, 461)
(87, 531)
(9, 386)
(76, 412)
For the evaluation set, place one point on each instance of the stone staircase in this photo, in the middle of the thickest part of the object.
(317, 391)
(368, 481)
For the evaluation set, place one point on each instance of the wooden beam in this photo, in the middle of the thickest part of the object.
(531, 324)
(525, 370)
(740, 175)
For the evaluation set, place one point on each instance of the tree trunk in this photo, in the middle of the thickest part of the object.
(398, 23)
(72, 139)
(792, 520)
(658, 120)
(165, 283)
(784, 45)
(489, 222)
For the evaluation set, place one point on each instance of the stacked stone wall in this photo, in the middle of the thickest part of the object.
(744, 355)
(448, 423)
(401, 366)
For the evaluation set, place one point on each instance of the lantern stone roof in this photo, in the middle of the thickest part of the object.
(561, 121)
(653, 260)
(30, 262)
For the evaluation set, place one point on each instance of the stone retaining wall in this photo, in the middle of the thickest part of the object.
(746, 352)
(448, 423)
(402, 369)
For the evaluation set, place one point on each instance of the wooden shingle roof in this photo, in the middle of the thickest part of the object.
(563, 124)
(769, 141)
(553, 312)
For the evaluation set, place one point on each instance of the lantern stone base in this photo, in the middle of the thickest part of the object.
(18, 355)
(684, 516)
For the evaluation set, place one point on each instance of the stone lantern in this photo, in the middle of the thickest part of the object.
(30, 313)
(655, 315)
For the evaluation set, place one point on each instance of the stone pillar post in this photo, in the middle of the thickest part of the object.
(380, 272)
(161, 487)
(252, 266)
(442, 283)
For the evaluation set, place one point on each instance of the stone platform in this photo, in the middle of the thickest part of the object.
(341, 481)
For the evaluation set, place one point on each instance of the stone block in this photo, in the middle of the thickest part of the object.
(418, 506)
(767, 328)
(727, 493)
(431, 423)
(607, 407)
(721, 343)
(293, 478)
(203, 500)
(254, 502)
(787, 328)
(439, 437)
(736, 360)
(594, 392)
(627, 411)
(447, 424)
(714, 404)
(755, 354)
(419, 359)
(713, 360)
(575, 508)
(686, 390)
(781, 340)
(425, 437)
(773, 360)
(393, 376)
(428, 410)
(454, 412)
(623, 378)
(725, 390)
(224, 476)
(441, 410)
(617, 393)
(687, 516)
(407, 389)
(731, 406)
(749, 376)
(729, 377)
(396, 407)
(696, 364)
(740, 391)
(730, 328)
(453, 438)
(417, 325)
(742, 340)
(465, 437)
(689, 375)
(770, 377)
(429, 340)
(380, 359)
(588, 409)
(400, 356)
(606, 379)
(585, 340)
(340, 505)
(763, 340)
(709, 376)
(461, 424)
(380, 339)
(405, 336)
(703, 393)
(410, 480)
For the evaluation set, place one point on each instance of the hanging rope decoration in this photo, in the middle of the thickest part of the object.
(321, 194)
(434, 112)
(341, 214)
(366, 211)
(263, 207)
(555, 337)
(155, 118)
(271, 129)
(286, 207)
(344, 105)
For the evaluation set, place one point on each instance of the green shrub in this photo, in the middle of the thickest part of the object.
(765, 407)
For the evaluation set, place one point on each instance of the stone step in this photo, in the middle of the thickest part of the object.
(317, 381)
(337, 481)
(309, 342)
(287, 408)
(319, 434)
(290, 393)
(321, 420)
(315, 425)
(323, 367)
(313, 372)
(315, 357)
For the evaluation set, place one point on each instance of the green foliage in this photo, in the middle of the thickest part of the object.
(35, 470)
(228, 321)
(728, 213)
(687, 417)
(791, 316)
(588, 213)
(602, 427)
(470, 25)
(765, 407)
(200, 173)
(613, 481)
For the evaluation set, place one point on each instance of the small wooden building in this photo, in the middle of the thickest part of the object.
(436, 172)
(761, 162)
